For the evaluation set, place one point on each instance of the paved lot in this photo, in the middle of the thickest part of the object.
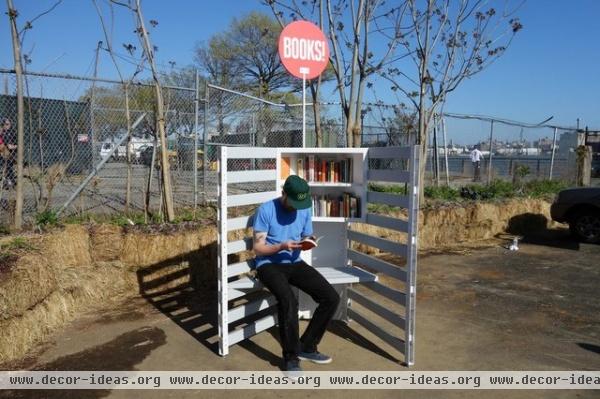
(484, 309)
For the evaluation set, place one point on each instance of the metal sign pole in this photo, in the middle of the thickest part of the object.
(304, 72)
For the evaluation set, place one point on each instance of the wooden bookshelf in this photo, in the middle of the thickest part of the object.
(350, 165)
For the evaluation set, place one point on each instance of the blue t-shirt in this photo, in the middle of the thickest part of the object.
(281, 225)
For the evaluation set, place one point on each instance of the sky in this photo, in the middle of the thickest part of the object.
(551, 69)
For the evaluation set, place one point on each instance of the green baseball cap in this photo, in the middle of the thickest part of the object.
(298, 192)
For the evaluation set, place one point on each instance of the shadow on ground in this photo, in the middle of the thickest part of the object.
(533, 228)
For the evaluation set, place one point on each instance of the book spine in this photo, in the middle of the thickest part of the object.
(300, 167)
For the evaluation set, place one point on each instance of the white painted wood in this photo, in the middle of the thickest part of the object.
(234, 247)
(389, 293)
(251, 199)
(236, 269)
(387, 222)
(388, 175)
(241, 222)
(251, 153)
(223, 290)
(389, 152)
(377, 264)
(245, 176)
(396, 343)
(413, 237)
(381, 243)
(376, 308)
(251, 308)
(252, 329)
(376, 197)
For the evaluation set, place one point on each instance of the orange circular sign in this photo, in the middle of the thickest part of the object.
(303, 49)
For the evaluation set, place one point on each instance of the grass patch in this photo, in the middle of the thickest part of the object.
(46, 218)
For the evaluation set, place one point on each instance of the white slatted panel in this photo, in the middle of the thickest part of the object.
(236, 269)
(389, 175)
(376, 197)
(380, 332)
(251, 199)
(387, 222)
(376, 308)
(381, 243)
(251, 308)
(390, 152)
(252, 329)
(245, 176)
(377, 264)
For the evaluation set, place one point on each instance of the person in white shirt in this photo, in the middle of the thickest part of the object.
(476, 157)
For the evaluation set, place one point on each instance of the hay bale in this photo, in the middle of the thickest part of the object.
(106, 242)
(142, 250)
(29, 282)
(68, 247)
(78, 290)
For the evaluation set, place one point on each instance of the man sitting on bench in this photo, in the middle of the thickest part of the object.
(279, 225)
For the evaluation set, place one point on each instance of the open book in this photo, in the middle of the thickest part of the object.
(308, 243)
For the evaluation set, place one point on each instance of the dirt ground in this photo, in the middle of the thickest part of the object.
(483, 309)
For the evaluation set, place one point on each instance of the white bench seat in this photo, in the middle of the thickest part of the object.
(334, 275)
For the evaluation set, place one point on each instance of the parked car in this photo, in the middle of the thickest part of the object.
(106, 148)
(580, 208)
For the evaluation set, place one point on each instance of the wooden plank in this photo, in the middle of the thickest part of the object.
(381, 243)
(245, 176)
(376, 308)
(251, 308)
(251, 153)
(387, 222)
(236, 269)
(389, 152)
(245, 283)
(241, 222)
(235, 294)
(250, 199)
(239, 246)
(389, 175)
(395, 342)
(390, 293)
(252, 329)
(377, 264)
(377, 197)
(345, 275)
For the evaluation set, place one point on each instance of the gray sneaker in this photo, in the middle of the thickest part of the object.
(315, 357)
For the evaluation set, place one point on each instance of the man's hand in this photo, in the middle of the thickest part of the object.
(290, 245)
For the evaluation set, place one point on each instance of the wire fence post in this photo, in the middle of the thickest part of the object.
(205, 144)
(491, 151)
(553, 152)
(196, 93)
(445, 151)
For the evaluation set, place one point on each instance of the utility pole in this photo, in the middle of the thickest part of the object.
(12, 14)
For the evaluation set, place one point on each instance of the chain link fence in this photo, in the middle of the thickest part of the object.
(80, 159)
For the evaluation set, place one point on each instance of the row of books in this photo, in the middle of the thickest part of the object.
(346, 205)
(316, 169)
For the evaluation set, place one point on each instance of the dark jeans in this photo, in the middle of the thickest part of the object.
(279, 279)
(477, 171)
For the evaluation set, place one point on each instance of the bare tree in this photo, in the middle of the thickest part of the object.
(13, 14)
(149, 50)
(450, 42)
(352, 28)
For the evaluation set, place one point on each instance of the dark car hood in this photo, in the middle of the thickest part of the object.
(582, 194)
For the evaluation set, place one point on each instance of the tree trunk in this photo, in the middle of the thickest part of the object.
(160, 116)
(12, 13)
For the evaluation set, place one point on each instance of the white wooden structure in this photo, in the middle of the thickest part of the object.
(249, 176)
